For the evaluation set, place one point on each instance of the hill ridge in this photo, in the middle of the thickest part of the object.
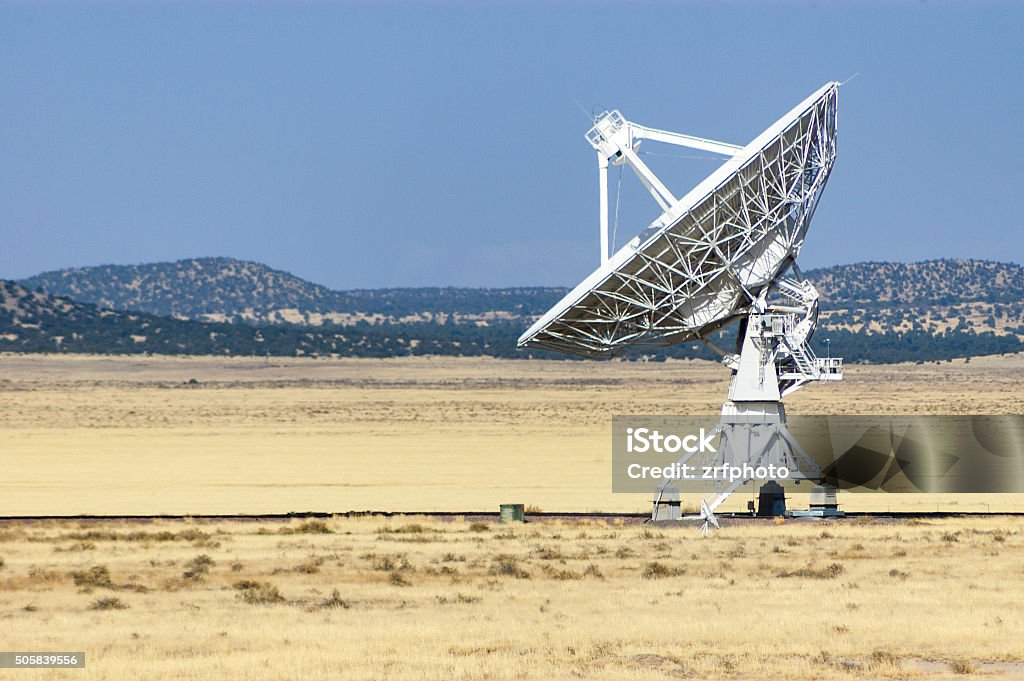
(37, 322)
(229, 289)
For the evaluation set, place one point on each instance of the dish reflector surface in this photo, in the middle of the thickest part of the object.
(701, 263)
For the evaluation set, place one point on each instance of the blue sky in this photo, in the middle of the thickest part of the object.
(371, 145)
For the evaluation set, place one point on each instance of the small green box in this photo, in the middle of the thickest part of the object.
(512, 513)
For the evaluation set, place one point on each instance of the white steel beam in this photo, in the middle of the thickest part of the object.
(602, 181)
(655, 186)
(681, 140)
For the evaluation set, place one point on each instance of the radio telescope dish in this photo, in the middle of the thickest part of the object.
(724, 252)
(699, 265)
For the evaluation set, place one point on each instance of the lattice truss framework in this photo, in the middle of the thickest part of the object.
(705, 269)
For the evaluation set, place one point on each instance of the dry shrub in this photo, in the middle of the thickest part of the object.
(91, 535)
(108, 603)
(625, 552)
(479, 527)
(507, 565)
(198, 567)
(411, 528)
(37, 574)
(389, 563)
(10, 534)
(335, 602)
(899, 574)
(562, 575)
(656, 570)
(962, 666)
(396, 579)
(309, 567)
(458, 598)
(549, 553)
(131, 586)
(308, 527)
(883, 659)
(172, 584)
(443, 570)
(190, 534)
(141, 536)
(77, 546)
(410, 533)
(198, 537)
(258, 593)
(830, 571)
(98, 576)
(737, 551)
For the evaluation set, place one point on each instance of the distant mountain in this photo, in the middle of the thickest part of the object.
(878, 312)
(932, 282)
(225, 289)
(933, 297)
(186, 288)
(36, 322)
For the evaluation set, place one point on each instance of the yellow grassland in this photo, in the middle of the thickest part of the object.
(419, 598)
(413, 598)
(131, 435)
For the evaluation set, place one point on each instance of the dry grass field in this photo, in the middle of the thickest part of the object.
(409, 598)
(418, 598)
(174, 435)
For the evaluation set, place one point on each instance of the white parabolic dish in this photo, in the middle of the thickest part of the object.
(699, 265)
